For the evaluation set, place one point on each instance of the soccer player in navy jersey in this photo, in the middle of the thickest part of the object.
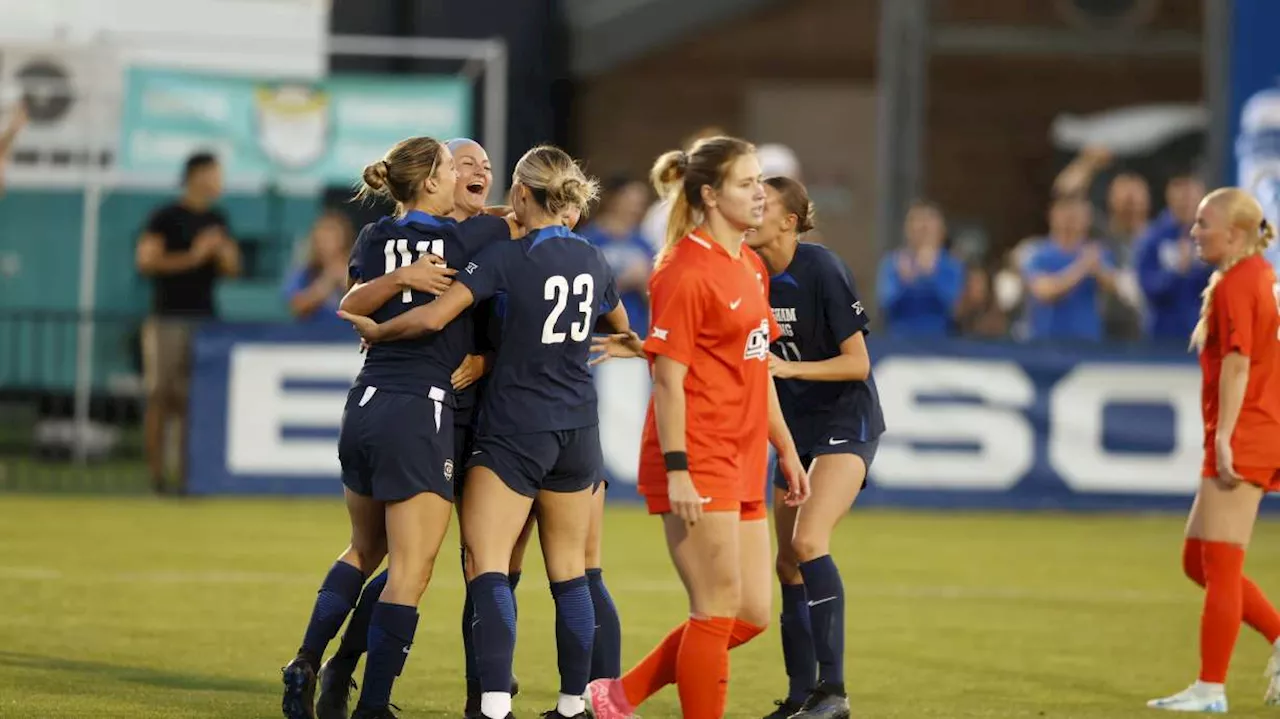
(475, 175)
(396, 440)
(538, 434)
(823, 375)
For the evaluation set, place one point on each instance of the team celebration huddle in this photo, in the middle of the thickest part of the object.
(481, 325)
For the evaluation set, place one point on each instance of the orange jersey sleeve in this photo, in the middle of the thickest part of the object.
(678, 302)
(1235, 315)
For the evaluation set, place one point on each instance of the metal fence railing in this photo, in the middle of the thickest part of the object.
(71, 403)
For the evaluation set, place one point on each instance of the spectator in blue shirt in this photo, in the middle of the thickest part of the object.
(1169, 273)
(919, 286)
(315, 288)
(615, 229)
(1065, 275)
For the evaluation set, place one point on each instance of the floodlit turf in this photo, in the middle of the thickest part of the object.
(186, 609)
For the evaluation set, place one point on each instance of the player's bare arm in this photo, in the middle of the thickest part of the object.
(428, 318)
(788, 458)
(853, 364)
(1231, 389)
(428, 274)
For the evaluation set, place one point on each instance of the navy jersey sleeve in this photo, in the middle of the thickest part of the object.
(486, 274)
(481, 231)
(609, 299)
(359, 267)
(843, 309)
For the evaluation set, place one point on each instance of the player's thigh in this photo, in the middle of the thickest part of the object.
(563, 522)
(416, 528)
(522, 543)
(755, 562)
(834, 480)
(595, 531)
(706, 557)
(494, 515)
(368, 529)
(1227, 515)
(784, 523)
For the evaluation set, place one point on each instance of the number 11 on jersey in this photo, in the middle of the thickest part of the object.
(398, 255)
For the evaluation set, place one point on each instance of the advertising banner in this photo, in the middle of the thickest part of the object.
(976, 425)
(325, 131)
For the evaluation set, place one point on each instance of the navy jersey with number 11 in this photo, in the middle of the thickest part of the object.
(416, 365)
(556, 286)
(817, 307)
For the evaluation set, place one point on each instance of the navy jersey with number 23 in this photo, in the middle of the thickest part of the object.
(557, 285)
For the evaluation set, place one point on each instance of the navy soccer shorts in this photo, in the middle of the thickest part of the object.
(394, 446)
(836, 438)
(557, 461)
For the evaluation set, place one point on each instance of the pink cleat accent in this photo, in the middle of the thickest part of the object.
(608, 700)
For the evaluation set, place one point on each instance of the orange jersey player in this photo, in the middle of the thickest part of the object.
(713, 402)
(1239, 341)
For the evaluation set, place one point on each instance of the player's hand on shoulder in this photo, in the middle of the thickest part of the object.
(685, 501)
(622, 345)
(428, 274)
(368, 329)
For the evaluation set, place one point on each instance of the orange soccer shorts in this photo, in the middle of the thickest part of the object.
(1267, 478)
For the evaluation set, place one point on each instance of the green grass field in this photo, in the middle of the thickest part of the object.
(130, 607)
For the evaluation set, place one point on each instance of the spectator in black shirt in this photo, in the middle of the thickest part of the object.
(184, 250)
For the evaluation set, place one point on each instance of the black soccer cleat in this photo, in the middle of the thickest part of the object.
(299, 690)
(336, 685)
(515, 686)
(555, 714)
(825, 702)
(783, 709)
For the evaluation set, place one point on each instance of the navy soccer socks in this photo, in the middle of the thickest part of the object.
(826, 612)
(606, 650)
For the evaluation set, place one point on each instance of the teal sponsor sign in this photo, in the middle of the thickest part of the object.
(325, 131)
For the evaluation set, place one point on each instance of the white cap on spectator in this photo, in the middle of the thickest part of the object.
(778, 160)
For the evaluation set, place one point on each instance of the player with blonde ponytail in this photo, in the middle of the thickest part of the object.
(1238, 338)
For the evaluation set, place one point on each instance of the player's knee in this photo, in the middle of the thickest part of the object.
(808, 546)
(756, 614)
(365, 557)
(787, 569)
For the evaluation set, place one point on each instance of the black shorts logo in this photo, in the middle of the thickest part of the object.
(448, 470)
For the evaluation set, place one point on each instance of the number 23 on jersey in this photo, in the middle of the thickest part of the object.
(556, 290)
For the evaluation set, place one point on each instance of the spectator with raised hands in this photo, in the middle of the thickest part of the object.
(1066, 275)
(919, 286)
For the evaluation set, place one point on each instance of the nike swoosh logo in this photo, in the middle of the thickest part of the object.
(822, 601)
(734, 305)
(834, 442)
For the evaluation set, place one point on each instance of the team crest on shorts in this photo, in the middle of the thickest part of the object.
(448, 470)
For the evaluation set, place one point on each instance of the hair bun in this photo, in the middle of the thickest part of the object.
(375, 174)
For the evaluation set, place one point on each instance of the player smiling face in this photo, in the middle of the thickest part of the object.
(740, 198)
(475, 176)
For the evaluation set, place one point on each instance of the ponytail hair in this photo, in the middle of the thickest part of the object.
(1244, 213)
(795, 200)
(679, 176)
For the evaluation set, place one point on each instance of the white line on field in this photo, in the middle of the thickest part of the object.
(657, 586)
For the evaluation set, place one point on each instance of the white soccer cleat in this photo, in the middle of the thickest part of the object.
(1195, 698)
(1272, 675)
